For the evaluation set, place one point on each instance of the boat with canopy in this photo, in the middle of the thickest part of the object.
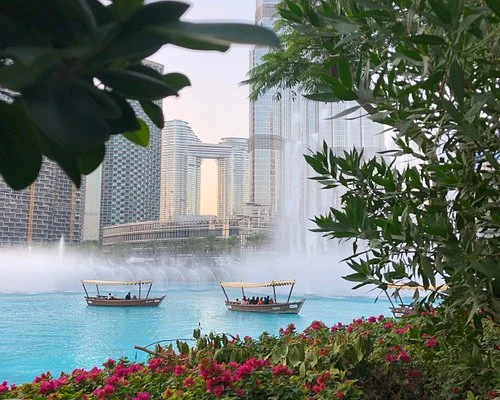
(128, 300)
(402, 309)
(274, 306)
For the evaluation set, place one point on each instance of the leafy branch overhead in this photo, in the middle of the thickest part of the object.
(429, 70)
(68, 69)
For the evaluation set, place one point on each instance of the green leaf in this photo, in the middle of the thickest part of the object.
(218, 36)
(90, 160)
(328, 97)
(457, 81)
(135, 85)
(125, 8)
(20, 157)
(64, 111)
(158, 13)
(154, 112)
(494, 6)
(441, 10)
(67, 160)
(127, 122)
(427, 39)
(140, 136)
(176, 80)
(345, 74)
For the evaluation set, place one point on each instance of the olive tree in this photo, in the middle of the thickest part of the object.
(429, 71)
(69, 67)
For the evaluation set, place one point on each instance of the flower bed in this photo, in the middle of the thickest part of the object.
(374, 358)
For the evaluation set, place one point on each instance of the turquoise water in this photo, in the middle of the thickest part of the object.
(59, 332)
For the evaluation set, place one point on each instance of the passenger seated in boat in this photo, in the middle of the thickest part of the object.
(252, 300)
(110, 297)
(128, 297)
(260, 302)
(266, 300)
(244, 301)
(237, 300)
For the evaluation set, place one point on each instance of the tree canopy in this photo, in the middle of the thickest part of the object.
(428, 212)
(67, 69)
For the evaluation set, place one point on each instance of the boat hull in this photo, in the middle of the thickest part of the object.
(149, 302)
(274, 308)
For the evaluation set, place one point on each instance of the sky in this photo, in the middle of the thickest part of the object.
(216, 105)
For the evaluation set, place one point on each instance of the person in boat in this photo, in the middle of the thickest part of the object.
(128, 297)
(260, 302)
(237, 300)
(244, 301)
(110, 297)
(266, 300)
(252, 300)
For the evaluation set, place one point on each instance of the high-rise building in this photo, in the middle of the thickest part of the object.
(284, 127)
(130, 186)
(233, 178)
(183, 153)
(49, 209)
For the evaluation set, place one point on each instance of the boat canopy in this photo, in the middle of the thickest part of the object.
(110, 283)
(257, 285)
(412, 286)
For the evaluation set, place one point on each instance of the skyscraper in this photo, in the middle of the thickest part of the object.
(49, 209)
(233, 178)
(183, 153)
(284, 128)
(130, 186)
(289, 125)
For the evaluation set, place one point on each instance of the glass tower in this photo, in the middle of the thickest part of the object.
(282, 129)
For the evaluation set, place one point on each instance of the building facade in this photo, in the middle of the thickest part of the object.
(233, 178)
(49, 209)
(183, 153)
(141, 235)
(283, 128)
(130, 183)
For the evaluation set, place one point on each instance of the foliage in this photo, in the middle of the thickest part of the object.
(429, 71)
(67, 69)
(374, 358)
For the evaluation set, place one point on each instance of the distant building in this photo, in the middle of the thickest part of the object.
(49, 209)
(92, 209)
(183, 153)
(255, 221)
(141, 235)
(233, 178)
(130, 185)
(283, 127)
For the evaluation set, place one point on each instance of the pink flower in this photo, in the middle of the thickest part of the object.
(240, 392)
(339, 394)
(110, 363)
(218, 390)
(380, 317)
(108, 389)
(188, 381)
(431, 343)
(142, 396)
(277, 370)
(318, 388)
(391, 358)
(372, 319)
(178, 370)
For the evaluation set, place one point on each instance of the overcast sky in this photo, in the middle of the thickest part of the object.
(215, 105)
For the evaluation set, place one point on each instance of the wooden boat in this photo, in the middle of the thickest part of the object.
(288, 307)
(111, 301)
(401, 309)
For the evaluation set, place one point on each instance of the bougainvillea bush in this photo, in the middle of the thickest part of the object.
(371, 358)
